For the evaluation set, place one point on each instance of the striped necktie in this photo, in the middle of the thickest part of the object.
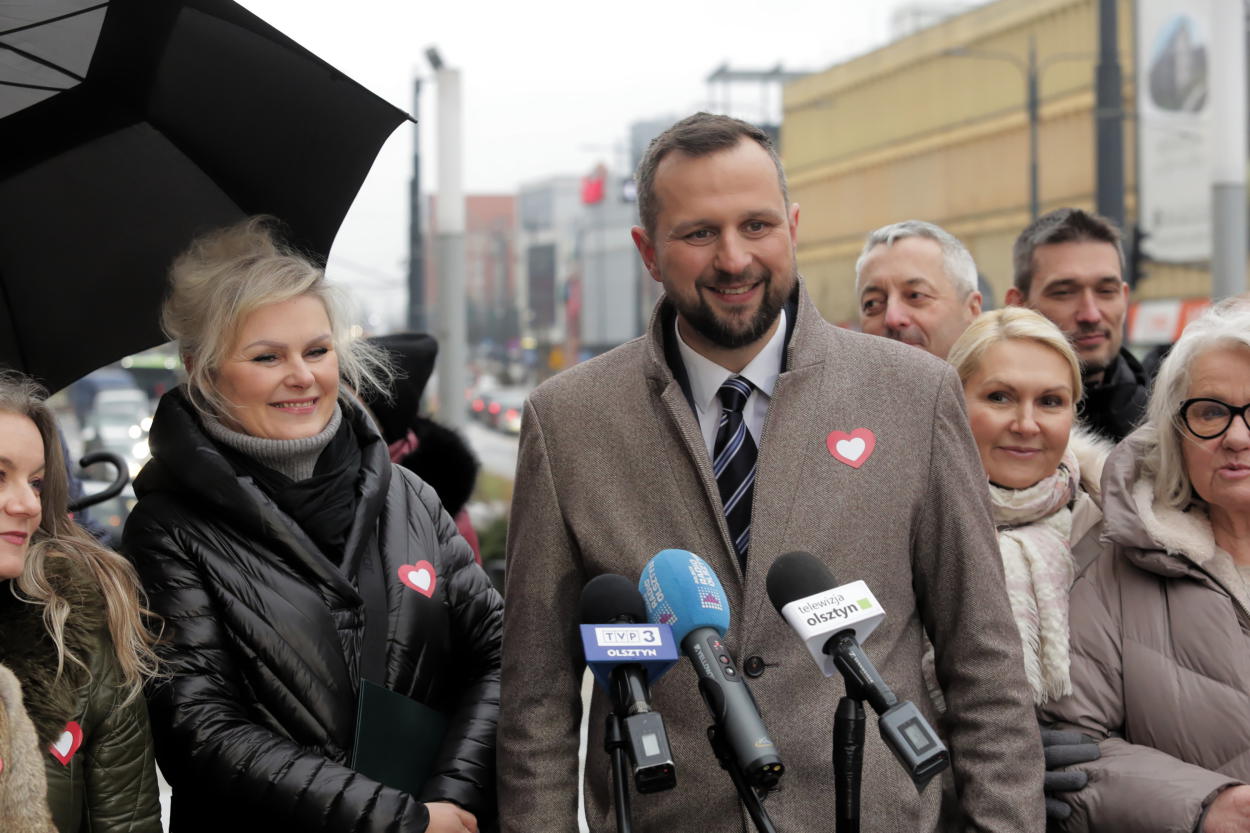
(733, 463)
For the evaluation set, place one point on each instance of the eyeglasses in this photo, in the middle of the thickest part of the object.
(1207, 419)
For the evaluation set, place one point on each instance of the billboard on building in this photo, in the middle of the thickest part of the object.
(1174, 128)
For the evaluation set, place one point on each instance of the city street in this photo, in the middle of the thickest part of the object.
(496, 451)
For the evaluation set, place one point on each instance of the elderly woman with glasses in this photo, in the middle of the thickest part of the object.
(1160, 623)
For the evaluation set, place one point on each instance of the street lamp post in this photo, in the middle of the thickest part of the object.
(1031, 71)
(1031, 103)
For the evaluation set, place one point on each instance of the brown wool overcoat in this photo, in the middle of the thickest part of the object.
(613, 469)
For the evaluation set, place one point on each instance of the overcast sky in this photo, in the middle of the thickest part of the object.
(549, 86)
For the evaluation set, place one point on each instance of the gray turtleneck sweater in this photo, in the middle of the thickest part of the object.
(294, 458)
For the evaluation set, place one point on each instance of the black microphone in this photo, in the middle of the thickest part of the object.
(610, 599)
(831, 621)
(683, 592)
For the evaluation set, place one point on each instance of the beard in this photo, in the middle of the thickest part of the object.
(731, 334)
(1093, 367)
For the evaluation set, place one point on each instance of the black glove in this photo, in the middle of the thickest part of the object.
(1063, 749)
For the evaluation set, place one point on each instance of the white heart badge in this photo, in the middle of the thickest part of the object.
(854, 448)
(419, 577)
(64, 747)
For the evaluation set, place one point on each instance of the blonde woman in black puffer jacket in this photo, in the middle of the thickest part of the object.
(271, 526)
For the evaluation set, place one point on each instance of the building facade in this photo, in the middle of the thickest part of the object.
(934, 126)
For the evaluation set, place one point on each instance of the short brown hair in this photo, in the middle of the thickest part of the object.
(698, 135)
(1063, 225)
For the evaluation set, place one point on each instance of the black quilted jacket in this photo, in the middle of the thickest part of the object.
(254, 731)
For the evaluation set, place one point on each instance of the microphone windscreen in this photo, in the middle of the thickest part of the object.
(681, 591)
(610, 598)
(797, 575)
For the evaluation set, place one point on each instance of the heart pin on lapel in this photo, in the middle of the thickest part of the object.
(419, 577)
(854, 448)
(66, 746)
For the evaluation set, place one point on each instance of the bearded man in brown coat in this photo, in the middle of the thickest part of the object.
(862, 456)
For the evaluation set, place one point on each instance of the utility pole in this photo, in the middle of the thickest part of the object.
(1109, 117)
(1033, 104)
(416, 239)
(1228, 148)
(450, 211)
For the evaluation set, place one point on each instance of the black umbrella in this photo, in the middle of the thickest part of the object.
(126, 128)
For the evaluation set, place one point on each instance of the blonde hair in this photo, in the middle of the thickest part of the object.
(1011, 323)
(226, 275)
(1226, 324)
(58, 536)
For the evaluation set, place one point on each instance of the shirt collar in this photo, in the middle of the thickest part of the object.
(706, 376)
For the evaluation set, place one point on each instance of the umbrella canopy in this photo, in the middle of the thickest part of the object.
(130, 126)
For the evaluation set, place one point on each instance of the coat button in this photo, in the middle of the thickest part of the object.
(754, 666)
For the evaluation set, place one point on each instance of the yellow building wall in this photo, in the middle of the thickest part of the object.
(912, 131)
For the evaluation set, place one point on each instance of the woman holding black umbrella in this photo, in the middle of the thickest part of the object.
(318, 598)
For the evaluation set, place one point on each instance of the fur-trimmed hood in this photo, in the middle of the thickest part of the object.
(1162, 539)
(1158, 538)
(445, 461)
(1091, 450)
(24, 788)
(28, 650)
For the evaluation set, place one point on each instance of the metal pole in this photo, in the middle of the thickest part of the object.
(416, 238)
(451, 224)
(1228, 149)
(1109, 117)
(1032, 104)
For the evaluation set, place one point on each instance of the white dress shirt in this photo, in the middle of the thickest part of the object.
(706, 377)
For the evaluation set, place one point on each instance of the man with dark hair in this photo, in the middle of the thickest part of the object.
(1069, 266)
(740, 427)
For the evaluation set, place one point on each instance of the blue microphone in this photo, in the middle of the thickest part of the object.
(681, 591)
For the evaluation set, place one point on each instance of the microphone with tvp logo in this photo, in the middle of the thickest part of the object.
(626, 655)
(681, 591)
(832, 621)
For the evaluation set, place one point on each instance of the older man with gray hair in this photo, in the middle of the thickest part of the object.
(916, 283)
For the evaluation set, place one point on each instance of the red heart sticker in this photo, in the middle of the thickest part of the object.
(853, 448)
(65, 747)
(419, 577)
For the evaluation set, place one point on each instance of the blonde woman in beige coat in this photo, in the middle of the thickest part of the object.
(1160, 623)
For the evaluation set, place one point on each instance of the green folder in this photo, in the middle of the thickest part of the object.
(397, 738)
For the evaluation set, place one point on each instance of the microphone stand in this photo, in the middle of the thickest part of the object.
(614, 745)
(848, 757)
(750, 799)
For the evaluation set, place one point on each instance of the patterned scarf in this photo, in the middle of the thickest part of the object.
(1034, 526)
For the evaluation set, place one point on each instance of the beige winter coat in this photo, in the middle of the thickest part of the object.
(613, 468)
(23, 785)
(1160, 645)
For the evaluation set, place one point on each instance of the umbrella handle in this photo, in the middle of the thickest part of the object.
(113, 489)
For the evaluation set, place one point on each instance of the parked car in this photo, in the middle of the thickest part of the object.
(508, 404)
(479, 406)
(111, 513)
(119, 421)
